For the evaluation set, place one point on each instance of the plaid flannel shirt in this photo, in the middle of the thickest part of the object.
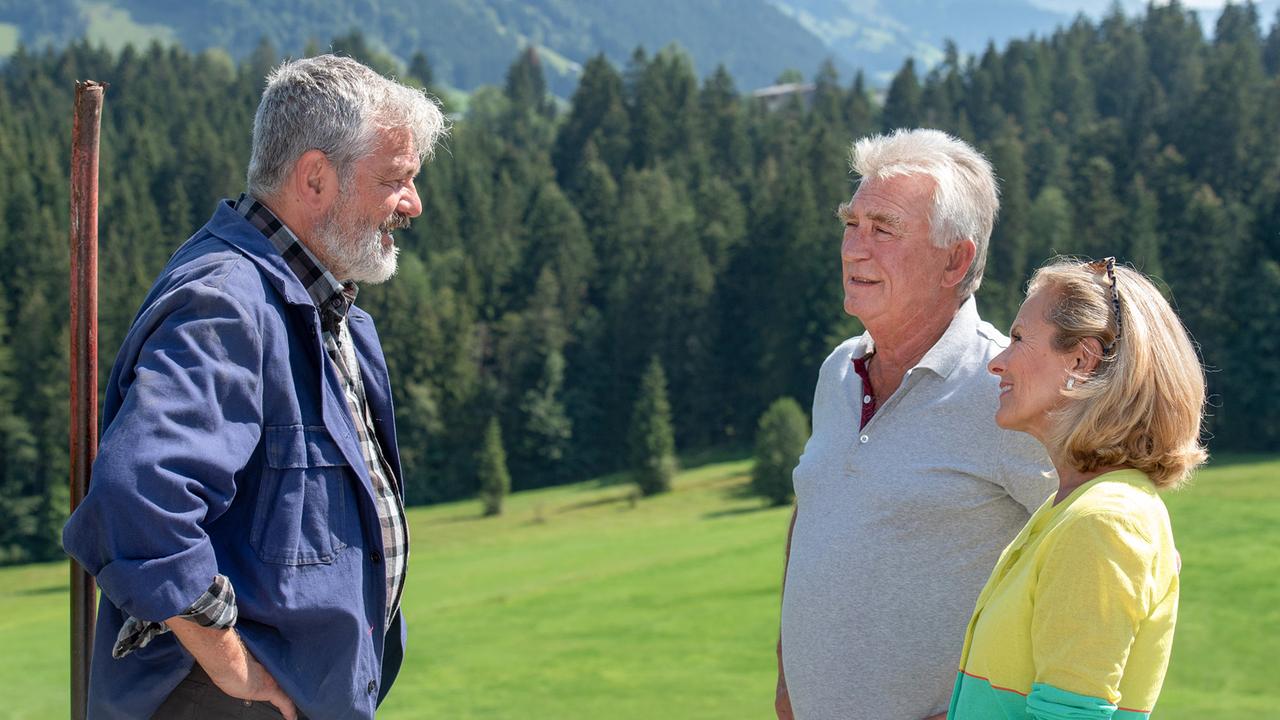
(216, 607)
(334, 299)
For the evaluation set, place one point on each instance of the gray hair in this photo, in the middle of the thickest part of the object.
(337, 106)
(965, 196)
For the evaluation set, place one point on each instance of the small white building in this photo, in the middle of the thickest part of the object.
(775, 96)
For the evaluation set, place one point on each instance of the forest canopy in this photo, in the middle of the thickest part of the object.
(660, 216)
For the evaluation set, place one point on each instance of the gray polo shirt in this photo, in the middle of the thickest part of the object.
(898, 525)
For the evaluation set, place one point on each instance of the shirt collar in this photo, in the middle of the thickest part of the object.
(329, 295)
(946, 353)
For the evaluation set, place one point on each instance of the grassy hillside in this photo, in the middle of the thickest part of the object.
(579, 604)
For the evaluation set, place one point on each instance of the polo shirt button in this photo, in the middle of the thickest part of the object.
(376, 557)
(864, 438)
(373, 686)
(866, 399)
(248, 703)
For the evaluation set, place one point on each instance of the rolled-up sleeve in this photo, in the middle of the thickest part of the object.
(189, 418)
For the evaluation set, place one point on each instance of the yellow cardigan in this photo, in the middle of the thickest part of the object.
(1077, 618)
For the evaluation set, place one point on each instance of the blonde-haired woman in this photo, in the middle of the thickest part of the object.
(1077, 618)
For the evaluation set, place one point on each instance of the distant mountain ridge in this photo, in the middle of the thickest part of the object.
(878, 35)
(472, 42)
(469, 42)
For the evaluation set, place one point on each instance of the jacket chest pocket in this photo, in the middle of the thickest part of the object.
(302, 497)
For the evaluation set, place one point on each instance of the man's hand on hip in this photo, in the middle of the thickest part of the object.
(230, 665)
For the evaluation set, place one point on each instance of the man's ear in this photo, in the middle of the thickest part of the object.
(314, 182)
(959, 259)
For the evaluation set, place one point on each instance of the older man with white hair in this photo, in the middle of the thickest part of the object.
(245, 519)
(906, 491)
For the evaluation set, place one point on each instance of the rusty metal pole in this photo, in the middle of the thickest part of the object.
(84, 364)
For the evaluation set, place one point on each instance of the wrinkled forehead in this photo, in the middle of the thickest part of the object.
(394, 149)
(905, 196)
(1036, 308)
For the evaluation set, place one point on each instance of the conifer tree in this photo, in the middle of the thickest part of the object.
(17, 458)
(547, 428)
(859, 111)
(663, 217)
(903, 104)
(1048, 227)
(597, 117)
(1251, 419)
(653, 448)
(1142, 239)
(827, 95)
(724, 127)
(526, 122)
(356, 45)
(491, 467)
(1007, 253)
(1271, 48)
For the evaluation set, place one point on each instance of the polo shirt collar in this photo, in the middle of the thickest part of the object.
(945, 354)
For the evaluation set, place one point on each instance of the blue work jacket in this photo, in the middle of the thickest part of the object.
(227, 447)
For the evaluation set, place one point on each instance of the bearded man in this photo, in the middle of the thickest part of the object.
(245, 518)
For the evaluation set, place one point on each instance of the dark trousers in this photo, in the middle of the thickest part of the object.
(197, 698)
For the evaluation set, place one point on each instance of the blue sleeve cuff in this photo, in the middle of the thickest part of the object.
(160, 588)
(216, 608)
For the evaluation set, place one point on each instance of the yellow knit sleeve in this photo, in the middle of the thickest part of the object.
(1094, 588)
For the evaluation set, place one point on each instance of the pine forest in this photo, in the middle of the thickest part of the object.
(659, 219)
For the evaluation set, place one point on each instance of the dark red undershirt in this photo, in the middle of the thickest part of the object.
(868, 398)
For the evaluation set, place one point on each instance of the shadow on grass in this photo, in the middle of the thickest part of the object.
(598, 502)
(697, 458)
(471, 517)
(734, 512)
(743, 491)
(691, 460)
(614, 479)
(47, 590)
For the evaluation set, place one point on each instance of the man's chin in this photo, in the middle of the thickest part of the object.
(381, 271)
(375, 275)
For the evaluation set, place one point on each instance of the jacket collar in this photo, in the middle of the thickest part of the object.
(231, 227)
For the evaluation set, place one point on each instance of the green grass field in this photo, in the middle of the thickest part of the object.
(579, 604)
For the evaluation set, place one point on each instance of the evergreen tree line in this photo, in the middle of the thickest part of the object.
(661, 220)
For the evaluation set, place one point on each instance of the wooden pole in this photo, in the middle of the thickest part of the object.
(84, 364)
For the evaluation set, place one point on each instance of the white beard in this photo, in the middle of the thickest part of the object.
(355, 252)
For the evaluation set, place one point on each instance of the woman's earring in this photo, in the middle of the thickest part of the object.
(1071, 383)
